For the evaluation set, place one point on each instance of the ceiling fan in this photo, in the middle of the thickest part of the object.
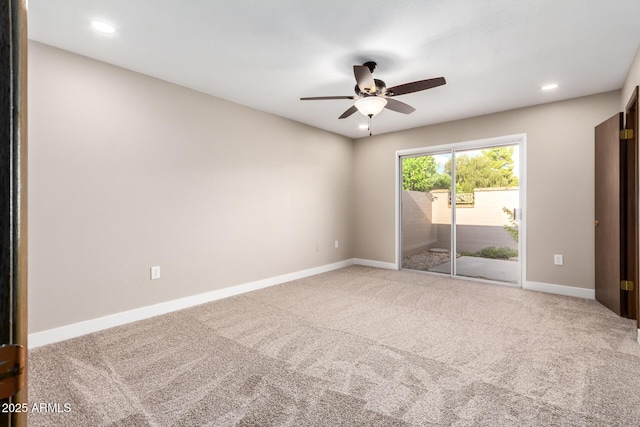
(372, 95)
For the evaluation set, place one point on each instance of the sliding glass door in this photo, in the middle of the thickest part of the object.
(486, 212)
(460, 212)
(426, 221)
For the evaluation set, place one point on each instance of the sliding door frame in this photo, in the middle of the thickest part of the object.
(516, 139)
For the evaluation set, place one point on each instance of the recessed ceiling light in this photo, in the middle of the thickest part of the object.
(550, 86)
(103, 27)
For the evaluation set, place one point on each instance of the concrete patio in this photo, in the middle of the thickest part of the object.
(482, 268)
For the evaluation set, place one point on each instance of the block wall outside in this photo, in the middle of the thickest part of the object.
(418, 230)
(426, 219)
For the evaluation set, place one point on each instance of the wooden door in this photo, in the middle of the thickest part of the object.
(616, 232)
(607, 212)
(13, 213)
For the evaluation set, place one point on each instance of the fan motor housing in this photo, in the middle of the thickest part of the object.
(381, 88)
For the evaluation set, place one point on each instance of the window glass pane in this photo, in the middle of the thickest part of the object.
(426, 215)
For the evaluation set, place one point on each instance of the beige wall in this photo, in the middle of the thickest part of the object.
(127, 171)
(560, 182)
(633, 80)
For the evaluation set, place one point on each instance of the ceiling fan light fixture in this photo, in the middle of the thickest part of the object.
(370, 105)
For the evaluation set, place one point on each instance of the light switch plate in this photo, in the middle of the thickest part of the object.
(155, 272)
(558, 259)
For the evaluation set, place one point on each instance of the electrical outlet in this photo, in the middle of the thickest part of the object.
(558, 259)
(155, 272)
(337, 244)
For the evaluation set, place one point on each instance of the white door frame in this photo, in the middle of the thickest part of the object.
(521, 141)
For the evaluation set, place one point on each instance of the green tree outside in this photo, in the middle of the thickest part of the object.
(493, 168)
(421, 174)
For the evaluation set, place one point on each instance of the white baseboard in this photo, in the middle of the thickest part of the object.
(376, 264)
(38, 339)
(560, 289)
(638, 336)
(62, 333)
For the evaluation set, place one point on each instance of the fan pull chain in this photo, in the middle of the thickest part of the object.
(370, 115)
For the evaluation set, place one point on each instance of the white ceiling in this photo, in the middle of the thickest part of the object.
(495, 54)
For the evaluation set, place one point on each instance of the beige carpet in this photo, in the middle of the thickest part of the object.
(357, 346)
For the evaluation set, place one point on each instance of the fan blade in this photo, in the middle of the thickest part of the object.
(315, 98)
(398, 106)
(415, 86)
(349, 112)
(364, 78)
